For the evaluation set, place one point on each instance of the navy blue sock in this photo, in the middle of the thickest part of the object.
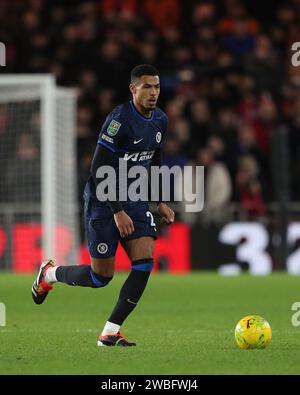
(81, 275)
(132, 290)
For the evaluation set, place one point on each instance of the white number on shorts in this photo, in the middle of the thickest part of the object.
(149, 214)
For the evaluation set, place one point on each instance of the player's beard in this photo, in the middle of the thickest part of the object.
(147, 108)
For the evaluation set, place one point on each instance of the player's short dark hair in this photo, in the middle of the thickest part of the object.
(142, 69)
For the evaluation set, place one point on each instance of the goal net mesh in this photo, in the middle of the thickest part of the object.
(38, 196)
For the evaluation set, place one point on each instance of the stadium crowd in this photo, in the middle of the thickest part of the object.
(226, 76)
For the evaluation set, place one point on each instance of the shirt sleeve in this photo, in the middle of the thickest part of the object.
(114, 133)
(105, 157)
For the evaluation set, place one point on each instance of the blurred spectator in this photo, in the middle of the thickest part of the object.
(181, 131)
(106, 103)
(249, 186)
(263, 66)
(236, 11)
(126, 8)
(240, 41)
(201, 122)
(216, 145)
(173, 155)
(217, 187)
(162, 13)
(204, 13)
(247, 144)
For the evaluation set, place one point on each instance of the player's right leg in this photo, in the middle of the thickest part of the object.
(40, 287)
(102, 236)
(96, 275)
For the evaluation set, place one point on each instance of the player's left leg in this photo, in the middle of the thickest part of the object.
(140, 252)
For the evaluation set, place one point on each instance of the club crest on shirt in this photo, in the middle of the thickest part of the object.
(113, 127)
(158, 137)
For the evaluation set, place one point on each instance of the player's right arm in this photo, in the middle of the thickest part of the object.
(111, 140)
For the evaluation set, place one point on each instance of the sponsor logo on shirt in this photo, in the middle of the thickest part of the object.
(138, 156)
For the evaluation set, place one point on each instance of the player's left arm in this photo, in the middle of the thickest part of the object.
(166, 213)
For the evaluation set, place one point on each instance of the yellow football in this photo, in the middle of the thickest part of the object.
(253, 332)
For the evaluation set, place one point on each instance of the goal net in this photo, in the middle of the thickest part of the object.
(38, 184)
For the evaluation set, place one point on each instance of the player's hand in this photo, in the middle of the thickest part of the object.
(167, 215)
(124, 223)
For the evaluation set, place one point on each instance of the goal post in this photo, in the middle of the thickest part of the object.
(39, 180)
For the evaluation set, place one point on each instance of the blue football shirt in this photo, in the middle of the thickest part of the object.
(132, 137)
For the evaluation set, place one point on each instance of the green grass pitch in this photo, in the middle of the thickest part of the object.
(183, 325)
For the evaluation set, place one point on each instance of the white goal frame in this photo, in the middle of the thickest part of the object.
(47, 93)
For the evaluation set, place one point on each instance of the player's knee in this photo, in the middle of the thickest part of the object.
(99, 281)
(143, 265)
(103, 267)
